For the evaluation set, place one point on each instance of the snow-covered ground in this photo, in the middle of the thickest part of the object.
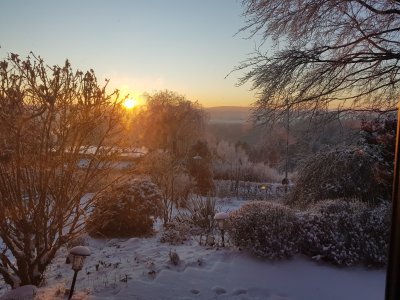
(140, 268)
(205, 273)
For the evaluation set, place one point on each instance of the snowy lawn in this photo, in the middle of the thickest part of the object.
(204, 273)
(140, 268)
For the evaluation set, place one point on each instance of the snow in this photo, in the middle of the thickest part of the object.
(207, 273)
(24, 293)
(123, 152)
(238, 277)
(221, 216)
(141, 269)
(80, 251)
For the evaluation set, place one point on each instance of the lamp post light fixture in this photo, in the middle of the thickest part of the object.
(220, 218)
(78, 254)
(285, 183)
(264, 187)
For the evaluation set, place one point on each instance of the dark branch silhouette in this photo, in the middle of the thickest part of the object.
(327, 55)
(51, 119)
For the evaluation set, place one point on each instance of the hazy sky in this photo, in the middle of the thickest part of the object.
(187, 46)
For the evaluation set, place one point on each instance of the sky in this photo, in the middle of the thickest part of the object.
(142, 46)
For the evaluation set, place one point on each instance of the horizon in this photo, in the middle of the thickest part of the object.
(141, 46)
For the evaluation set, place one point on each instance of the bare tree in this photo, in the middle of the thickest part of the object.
(171, 123)
(171, 177)
(169, 126)
(56, 131)
(326, 54)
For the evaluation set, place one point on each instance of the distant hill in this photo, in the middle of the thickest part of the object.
(233, 124)
(228, 114)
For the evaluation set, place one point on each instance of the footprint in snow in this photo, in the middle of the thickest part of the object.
(239, 292)
(194, 291)
(278, 297)
(219, 290)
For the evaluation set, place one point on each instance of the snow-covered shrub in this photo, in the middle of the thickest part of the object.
(199, 213)
(332, 232)
(376, 225)
(268, 230)
(346, 232)
(129, 209)
(340, 173)
(175, 232)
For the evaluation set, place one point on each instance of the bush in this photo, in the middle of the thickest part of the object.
(128, 210)
(343, 231)
(340, 173)
(332, 232)
(346, 233)
(376, 231)
(266, 229)
(199, 213)
(175, 232)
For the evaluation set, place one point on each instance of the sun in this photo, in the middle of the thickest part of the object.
(129, 103)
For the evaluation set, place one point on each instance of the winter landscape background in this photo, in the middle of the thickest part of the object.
(143, 268)
(198, 149)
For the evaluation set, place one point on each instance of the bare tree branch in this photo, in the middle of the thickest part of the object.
(58, 129)
(335, 54)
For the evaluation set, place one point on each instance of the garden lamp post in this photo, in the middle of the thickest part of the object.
(220, 218)
(285, 183)
(78, 254)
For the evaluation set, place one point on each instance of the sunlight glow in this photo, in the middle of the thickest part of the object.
(130, 103)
